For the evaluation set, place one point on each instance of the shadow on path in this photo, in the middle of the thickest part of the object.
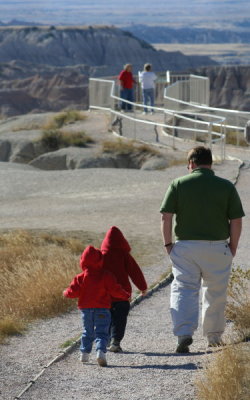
(150, 354)
(188, 366)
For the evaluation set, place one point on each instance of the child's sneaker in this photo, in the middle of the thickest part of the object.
(115, 347)
(84, 357)
(101, 358)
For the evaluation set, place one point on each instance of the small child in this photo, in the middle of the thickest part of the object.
(94, 288)
(118, 260)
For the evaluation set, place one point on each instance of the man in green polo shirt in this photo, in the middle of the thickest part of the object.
(208, 221)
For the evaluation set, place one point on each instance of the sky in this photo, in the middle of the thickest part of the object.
(122, 11)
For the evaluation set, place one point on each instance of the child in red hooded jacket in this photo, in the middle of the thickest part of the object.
(94, 288)
(119, 261)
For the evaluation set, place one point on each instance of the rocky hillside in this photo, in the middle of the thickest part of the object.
(165, 34)
(27, 87)
(47, 68)
(95, 47)
(229, 86)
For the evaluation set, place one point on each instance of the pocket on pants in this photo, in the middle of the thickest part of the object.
(227, 251)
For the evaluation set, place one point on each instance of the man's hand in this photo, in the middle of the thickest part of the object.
(169, 248)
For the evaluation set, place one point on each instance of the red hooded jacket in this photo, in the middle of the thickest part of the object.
(94, 287)
(118, 260)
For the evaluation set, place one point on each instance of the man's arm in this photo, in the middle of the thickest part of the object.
(166, 229)
(235, 232)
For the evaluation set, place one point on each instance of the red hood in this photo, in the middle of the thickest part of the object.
(114, 239)
(91, 259)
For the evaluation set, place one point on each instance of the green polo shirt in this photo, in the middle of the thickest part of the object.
(203, 203)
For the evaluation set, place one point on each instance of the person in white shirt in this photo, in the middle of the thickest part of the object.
(147, 79)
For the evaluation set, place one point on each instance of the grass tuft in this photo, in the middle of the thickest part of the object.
(128, 147)
(64, 118)
(238, 306)
(54, 139)
(10, 327)
(234, 139)
(226, 376)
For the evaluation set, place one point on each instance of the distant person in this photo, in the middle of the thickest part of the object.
(94, 288)
(208, 222)
(127, 82)
(119, 261)
(147, 79)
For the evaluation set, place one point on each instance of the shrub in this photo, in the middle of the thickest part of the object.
(226, 376)
(51, 139)
(54, 139)
(63, 118)
(128, 147)
(238, 306)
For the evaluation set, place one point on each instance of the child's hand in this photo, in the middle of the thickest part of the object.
(64, 293)
(144, 292)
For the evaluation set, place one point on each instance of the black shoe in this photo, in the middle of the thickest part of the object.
(183, 343)
(115, 347)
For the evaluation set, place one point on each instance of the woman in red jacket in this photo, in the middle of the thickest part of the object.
(126, 81)
(118, 260)
(94, 288)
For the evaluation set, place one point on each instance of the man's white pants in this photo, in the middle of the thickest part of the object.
(196, 261)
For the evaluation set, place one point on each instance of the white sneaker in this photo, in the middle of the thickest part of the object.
(101, 358)
(84, 357)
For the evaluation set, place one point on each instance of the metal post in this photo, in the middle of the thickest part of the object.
(210, 135)
(238, 133)
(156, 134)
(224, 141)
(195, 128)
(173, 130)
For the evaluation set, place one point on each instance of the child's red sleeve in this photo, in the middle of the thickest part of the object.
(135, 273)
(74, 288)
(114, 288)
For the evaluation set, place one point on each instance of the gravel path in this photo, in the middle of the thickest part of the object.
(147, 369)
(94, 200)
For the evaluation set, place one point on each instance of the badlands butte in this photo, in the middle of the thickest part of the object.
(47, 68)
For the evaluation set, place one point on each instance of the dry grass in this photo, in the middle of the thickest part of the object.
(35, 267)
(238, 306)
(55, 139)
(233, 138)
(120, 146)
(64, 118)
(226, 376)
(34, 271)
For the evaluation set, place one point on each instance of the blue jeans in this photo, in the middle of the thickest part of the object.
(148, 96)
(127, 94)
(96, 323)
